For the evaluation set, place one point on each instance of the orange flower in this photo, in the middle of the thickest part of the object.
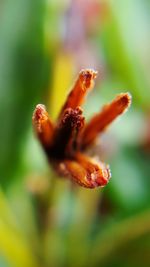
(66, 140)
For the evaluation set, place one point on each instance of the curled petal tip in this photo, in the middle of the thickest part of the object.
(40, 106)
(97, 173)
(39, 112)
(125, 100)
(89, 73)
(106, 175)
(87, 77)
(100, 177)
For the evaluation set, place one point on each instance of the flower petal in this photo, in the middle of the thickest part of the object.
(83, 84)
(85, 171)
(107, 115)
(42, 125)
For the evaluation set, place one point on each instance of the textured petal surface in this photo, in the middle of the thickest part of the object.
(83, 84)
(43, 125)
(85, 171)
(106, 116)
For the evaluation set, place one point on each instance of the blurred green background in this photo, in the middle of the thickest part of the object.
(44, 221)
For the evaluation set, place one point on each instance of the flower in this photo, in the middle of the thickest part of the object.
(65, 141)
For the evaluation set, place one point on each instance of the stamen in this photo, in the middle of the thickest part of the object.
(65, 132)
(106, 116)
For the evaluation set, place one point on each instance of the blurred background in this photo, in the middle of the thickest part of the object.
(44, 221)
